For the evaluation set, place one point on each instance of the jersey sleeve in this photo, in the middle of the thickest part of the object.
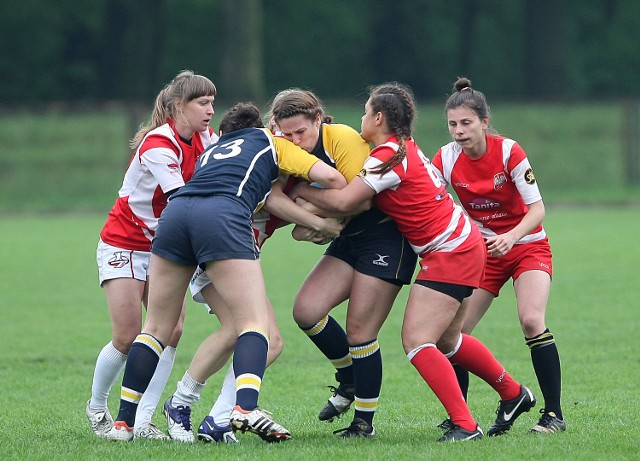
(293, 159)
(376, 181)
(158, 154)
(522, 175)
(347, 148)
(437, 166)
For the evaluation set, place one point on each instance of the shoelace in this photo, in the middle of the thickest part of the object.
(334, 390)
(338, 391)
(546, 419)
(272, 425)
(354, 428)
(185, 416)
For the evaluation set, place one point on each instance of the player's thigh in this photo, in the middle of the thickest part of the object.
(476, 306)
(532, 293)
(217, 306)
(370, 302)
(427, 316)
(124, 299)
(168, 282)
(240, 284)
(327, 285)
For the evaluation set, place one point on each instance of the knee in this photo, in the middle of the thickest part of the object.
(447, 345)
(532, 325)
(409, 343)
(304, 314)
(357, 333)
(122, 342)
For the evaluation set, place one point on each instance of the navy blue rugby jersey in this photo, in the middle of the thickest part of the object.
(243, 164)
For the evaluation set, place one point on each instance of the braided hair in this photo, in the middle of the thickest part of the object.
(397, 103)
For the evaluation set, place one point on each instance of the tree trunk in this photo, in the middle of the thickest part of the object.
(547, 48)
(241, 55)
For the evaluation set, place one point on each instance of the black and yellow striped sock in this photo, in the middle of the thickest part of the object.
(367, 373)
(546, 364)
(330, 338)
(141, 365)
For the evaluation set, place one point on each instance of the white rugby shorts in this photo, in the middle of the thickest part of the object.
(199, 280)
(115, 263)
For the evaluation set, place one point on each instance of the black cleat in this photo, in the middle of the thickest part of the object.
(338, 404)
(549, 423)
(457, 434)
(358, 428)
(509, 410)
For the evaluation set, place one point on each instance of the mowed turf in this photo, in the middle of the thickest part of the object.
(54, 321)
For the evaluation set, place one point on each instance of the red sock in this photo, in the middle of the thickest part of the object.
(478, 359)
(436, 370)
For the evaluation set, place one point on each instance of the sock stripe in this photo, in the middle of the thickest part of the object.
(366, 404)
(364, 350)
(149, 341)
(543, 339)
(415, 351)
(248, 381)
(342, 362)
(317, 328)
(130, 395)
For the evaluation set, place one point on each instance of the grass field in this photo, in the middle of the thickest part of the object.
(53, 322)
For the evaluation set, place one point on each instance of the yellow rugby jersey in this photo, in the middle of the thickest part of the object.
(343, 148)
(292, 159)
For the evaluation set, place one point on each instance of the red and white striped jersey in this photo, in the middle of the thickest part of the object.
(162, 163)
(494, 189)
(418, 201)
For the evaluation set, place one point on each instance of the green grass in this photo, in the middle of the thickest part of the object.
(56, 161)
(54, 322)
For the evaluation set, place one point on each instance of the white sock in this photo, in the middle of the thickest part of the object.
(187, 391)
(221, 410)
(151, 397)
(109, 364)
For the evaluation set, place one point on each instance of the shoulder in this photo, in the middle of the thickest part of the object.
(340, 129)
(510, 151)
(336, 133)
(160, 137)
(450, 150)
(497, 142)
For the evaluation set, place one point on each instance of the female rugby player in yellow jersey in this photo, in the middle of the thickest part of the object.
(367, 264)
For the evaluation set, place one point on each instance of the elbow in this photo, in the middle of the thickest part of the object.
(366, 205)
(337, 182)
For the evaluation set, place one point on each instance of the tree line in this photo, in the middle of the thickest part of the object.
(97, 50)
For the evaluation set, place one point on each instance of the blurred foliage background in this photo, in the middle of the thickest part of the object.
(87, 50)
(77, 77)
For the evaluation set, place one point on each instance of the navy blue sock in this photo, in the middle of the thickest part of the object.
(330, 338)
(249, 363)
(367, 373)
(141, 365)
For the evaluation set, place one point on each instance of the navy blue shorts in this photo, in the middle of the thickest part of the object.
(195, 230)
(380, 251)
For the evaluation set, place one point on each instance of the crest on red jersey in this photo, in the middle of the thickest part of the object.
(499, 180)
